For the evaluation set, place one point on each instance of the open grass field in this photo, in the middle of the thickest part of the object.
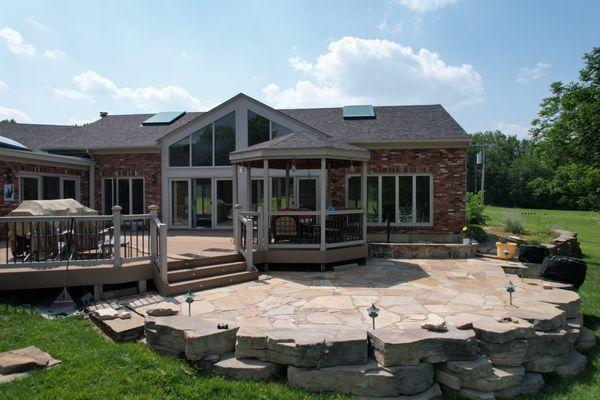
(94, 368)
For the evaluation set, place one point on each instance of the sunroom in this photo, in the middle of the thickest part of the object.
(304, 233)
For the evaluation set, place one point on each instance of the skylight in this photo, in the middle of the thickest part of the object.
(164, 118)
(358, 112)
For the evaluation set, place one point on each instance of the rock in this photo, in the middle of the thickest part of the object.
(105, 314)
(531, 384)
(501, 378)
(162, 311)
(462, 321)
(248, 369)
(473, 394)
(434, 392)
(544, 364)
(554, 344)
(304, 347)
(434, 323)
(191, 337)
(124, 315)
(364, 380)
(575, 364)
(502, 332)
(510, 354)
(567, 300)
(478, 367)
(544, 317)
(575, 322)
(24, 360)
(410, 346)
(586, 340)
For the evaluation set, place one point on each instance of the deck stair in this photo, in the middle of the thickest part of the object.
(207, 273)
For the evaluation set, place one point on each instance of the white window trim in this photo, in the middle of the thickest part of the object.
(115, 193)
(414, 198)
(40, 185)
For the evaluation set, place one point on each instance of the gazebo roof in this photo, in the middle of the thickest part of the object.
(302, 145)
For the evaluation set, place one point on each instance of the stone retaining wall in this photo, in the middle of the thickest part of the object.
(474, 356)
(566, 244)
(422, 250)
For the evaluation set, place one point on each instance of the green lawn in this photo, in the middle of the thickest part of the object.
(94, 368)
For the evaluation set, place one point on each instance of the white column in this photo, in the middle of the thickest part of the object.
(266, 202)
(363, 194)
(235, 202)
(248, 172)
(116, 210)
(323, 202)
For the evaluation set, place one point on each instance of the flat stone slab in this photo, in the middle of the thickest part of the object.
(393, 347)
(122, 330)
(434, 392)
(478, 367)
(248, 369)
(509, 354)
(586, 340)
(25, 360)
(556, 344)
(501, 378)
(370, 379)
(566, 300)
(303, 347)
(192, 337)
(531, 384)
(544, 316)
(491, 330)
(574, 365)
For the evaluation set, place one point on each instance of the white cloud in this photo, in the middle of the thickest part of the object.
(4, 86)
(520, 131)
(91, 85)
(299, 64)
(383, 26)
(422, 6)
(355, 70)
(13, 113)
(38, 25)
(17, 45)
(527, 74)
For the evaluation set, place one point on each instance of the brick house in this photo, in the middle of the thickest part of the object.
(416, 179)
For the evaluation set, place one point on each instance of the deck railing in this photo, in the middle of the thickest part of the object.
(248, 235)
(52, 241)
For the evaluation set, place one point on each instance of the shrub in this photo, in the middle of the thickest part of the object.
(475, 210)
(478, 233)
(513, 224)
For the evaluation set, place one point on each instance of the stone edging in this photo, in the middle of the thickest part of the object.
(423, 250)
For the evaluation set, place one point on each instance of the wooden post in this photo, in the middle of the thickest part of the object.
(236, 226)
(235, 201)
(153, 244)
(364, 199)
(163, 253)
(323, 203)
(116, 210)
(266, 202)
(248, 172)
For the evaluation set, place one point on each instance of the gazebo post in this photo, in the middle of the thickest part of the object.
(248, 188)
(363, 194)
(287, 185)
(323, 204)
(266, 206)
(235, 208)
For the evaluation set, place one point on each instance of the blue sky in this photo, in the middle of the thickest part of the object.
(489, 63)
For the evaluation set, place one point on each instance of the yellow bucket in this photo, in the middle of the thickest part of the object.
(511, 247)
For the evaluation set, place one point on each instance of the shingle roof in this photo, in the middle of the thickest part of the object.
(37, 136)
(302, 140)
(390, 123)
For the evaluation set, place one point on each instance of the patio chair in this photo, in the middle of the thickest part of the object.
(284, 229)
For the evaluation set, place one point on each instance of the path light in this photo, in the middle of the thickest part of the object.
(373, 313)
(522, 271)
(510, 288)
(189, 298)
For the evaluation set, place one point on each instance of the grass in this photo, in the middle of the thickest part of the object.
(94, 368)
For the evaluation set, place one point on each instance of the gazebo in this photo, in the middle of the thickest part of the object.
(321, 234)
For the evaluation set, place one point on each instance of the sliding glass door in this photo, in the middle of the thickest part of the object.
(224, 203)
(180, 203)
(202, 213)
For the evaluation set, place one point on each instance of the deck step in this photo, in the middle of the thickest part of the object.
(201, 262)
(205, 271)
(211, 282)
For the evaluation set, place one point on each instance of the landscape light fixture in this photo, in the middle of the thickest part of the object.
(510, 288)
(373, 313)
(189, 298)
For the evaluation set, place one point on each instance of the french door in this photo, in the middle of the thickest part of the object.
(202, 203)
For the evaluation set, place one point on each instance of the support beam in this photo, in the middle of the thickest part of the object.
(363, 194)
(235, 202)
(287, 186)
(323, 202)
(248, 202)
(266, 203)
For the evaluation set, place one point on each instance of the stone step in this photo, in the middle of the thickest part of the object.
(248, 369)
(574, 365)
(190, 337)
(303, 347)
(586, 340)
(370, 379)
(393, 347)
(205, 261)
(210, 282)
(186, 274)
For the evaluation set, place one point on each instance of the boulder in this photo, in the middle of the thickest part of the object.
(370, 379)
(509, 354)
(586, 340)
(393, 347)
(191, 337)
(575, 364)
(304, 347)
(531, 384)
(248, 369)
(24, 360)
(493, 331)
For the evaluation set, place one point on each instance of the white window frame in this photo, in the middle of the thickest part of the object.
(270, 124)
(40, 185)
(397, 194)
(115, 192)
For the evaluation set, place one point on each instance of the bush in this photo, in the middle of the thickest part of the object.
(513, 224)
(475, 210)
(478, 233)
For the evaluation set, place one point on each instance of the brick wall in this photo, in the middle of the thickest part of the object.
(448, 167)
(145, 165)
(18, 168)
